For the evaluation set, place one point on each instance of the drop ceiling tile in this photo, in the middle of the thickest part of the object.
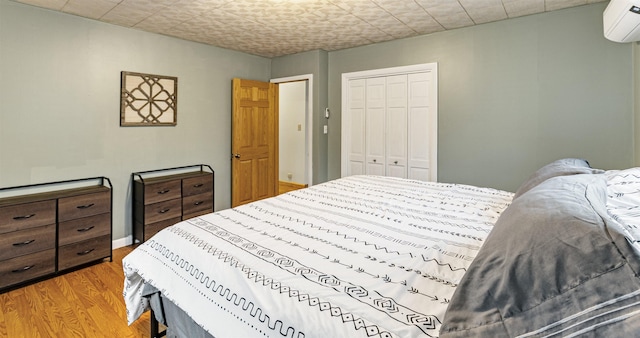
(552, 5)
(160, 23)
(51, 4)
(517, 8)
(412, 15)
(448, 13)
(125, 15)
(93, 9)
(483, 11)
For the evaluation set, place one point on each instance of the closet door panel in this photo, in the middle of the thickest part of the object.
(419, 129)
(375, 125)
(396, 126)
(356, 142)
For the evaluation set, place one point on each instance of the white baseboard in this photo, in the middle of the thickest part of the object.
(119, 243)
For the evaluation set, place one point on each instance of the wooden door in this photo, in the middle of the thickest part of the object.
(254, 145)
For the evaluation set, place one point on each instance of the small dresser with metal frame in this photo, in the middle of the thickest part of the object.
(164, 197)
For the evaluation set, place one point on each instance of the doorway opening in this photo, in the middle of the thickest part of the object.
(295, 114)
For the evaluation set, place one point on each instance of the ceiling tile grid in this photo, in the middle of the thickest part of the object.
(273, 28)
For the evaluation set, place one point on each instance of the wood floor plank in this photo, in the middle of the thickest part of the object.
(23, 314)
(12, 324)
(83, 303)
(3, 326)
(44, 319)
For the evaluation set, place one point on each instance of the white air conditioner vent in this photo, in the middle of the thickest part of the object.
(621, 21)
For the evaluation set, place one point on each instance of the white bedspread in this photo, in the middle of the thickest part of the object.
(362, 256)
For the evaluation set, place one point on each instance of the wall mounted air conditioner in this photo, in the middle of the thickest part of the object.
(621, 20)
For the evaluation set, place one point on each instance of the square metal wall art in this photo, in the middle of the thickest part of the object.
(148, 100)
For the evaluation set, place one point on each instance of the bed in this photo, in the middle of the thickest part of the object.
(370, 256)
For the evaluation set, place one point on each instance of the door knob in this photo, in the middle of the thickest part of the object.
(236, 155)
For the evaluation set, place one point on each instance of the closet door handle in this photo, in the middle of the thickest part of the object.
(374, 160)
(395, 162)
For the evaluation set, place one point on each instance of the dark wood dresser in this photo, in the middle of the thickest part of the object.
(164, 197)
(63, 226)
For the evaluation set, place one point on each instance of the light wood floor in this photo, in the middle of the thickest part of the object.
(83, 303)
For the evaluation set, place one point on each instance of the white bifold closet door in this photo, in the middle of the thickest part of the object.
(390, 126)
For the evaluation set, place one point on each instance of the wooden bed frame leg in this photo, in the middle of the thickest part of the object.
(155, 327)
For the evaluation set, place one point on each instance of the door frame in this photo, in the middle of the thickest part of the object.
(432, 68)
(308, 133)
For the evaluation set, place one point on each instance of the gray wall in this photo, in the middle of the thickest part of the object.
(514, 95)
(59, 103)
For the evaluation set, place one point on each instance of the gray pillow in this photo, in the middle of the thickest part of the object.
(550, 266)
(562, 167)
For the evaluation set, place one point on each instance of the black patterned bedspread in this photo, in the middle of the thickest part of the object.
(361, 256)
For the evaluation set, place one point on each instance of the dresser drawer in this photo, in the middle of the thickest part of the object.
(84, 228)
(195, 203)
(162, 191)
(27, 215)
(24, 268)
(24, 242)
(197, 185)
(83, 205)
(154, 228)
(163, 210)
(84, 252)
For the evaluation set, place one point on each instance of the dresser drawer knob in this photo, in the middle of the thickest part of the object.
(17, 218)
(198, 203)
(198, 185)
(162, 192)
(163, 211)
(86, 206)
(26, 268)
(85, 229)
(86, 252)
(24, 243)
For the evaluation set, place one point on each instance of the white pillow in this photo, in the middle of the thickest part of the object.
(623, 201)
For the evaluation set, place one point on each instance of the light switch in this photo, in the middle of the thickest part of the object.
(299, 127)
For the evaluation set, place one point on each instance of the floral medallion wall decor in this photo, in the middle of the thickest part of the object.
(148, 100)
